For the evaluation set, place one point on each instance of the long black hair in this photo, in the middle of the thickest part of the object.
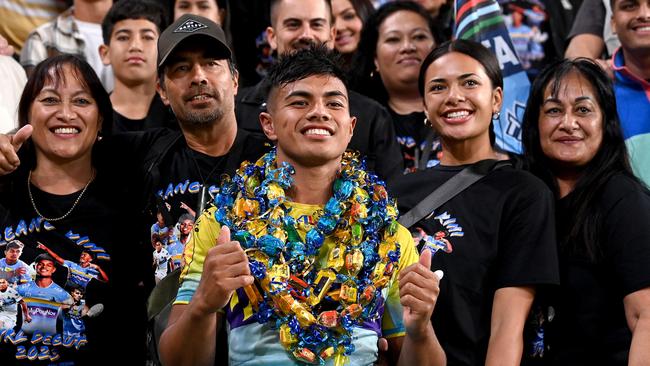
(365, 80)
(585, 218)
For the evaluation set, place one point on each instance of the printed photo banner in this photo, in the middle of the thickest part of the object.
(482, 21)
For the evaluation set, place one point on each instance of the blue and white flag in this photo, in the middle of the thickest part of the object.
(482, 21)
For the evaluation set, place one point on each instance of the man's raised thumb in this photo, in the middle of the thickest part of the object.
(425, 258)
(224, 235)
(21, 136)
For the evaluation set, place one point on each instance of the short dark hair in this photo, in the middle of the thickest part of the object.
(470, 48)
(364, 58)
(44, 257)
(274, 8)
(14, 244)
(75, 287)
(185, 216)
(90, 253)
(299, 65)
(585, 213)
(133, 9)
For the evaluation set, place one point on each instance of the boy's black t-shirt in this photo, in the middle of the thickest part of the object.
(159, 115)
(590, 327)
(497, 233)
(111, 315)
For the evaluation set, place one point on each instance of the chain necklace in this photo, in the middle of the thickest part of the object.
(76, 201)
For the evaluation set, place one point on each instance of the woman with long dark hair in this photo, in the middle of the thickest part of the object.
(75, 224)
(394, 41)
(494, 239)
(573, 141)
(349, 16)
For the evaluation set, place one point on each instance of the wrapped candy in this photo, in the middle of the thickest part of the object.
(353, 261)
(287, 339)
(279, 272)
(348, 292)
(359, 225)
(274, 193)
(353, 311)
(368, 294)
(304, 316)
(328, 318)
(322, 283)
(304, 355)
(252, 182)
(327, 353)
(357, 233)
(284, 302)
(336, 257)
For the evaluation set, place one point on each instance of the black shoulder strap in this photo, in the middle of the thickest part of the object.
(450, 189)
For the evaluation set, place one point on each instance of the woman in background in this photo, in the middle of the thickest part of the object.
(349, 16)
(495, 240)
(573, 140)
(393, 44)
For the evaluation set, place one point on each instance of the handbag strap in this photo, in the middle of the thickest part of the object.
(450, 189)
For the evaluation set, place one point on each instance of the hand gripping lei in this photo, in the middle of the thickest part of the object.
(314, 307)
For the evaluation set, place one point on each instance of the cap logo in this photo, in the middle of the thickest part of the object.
(190, 26)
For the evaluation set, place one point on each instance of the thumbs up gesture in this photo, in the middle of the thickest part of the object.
(9, 146)
(418, 290)
(225, 270)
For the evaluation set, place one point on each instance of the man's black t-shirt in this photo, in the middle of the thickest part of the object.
(111, 314)
(497, 233)
(159, 115)
(172, 176)
(590, 327)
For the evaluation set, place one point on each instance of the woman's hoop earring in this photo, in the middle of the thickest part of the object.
(426, 122)
(496, 115)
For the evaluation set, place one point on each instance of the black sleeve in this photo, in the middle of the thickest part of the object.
(384, 156)
(590, 19)
(628, 236)
(527, 253)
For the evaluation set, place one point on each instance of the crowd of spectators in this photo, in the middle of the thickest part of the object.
(256, 155)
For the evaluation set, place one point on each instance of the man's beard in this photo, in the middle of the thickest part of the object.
(202, 118)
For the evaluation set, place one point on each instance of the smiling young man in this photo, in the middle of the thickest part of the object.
(317, 287)
(297, 24)
(631, 64)
(131, 29)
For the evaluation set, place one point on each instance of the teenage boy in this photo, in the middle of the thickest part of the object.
(308, 118)
(631, 64)
(76, 31)
(297, 24)
(130, 31)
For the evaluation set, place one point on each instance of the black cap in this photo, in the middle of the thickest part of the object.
(190, 25)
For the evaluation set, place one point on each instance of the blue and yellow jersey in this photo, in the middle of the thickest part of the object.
(254, 343)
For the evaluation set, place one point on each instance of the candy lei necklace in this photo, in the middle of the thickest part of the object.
(314, 306)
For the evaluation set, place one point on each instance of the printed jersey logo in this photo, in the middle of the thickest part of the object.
(190, 26)
(39, 316)
(441, 239)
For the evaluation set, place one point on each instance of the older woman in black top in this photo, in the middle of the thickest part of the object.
(574, 142)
